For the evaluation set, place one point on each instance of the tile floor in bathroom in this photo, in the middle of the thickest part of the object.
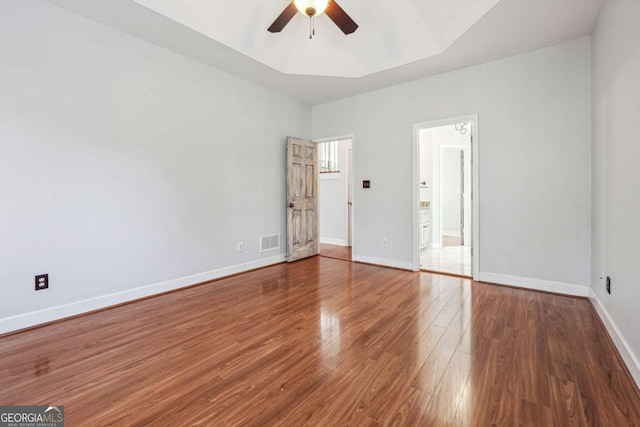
(449, 259)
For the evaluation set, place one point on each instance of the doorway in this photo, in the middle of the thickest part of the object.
(335, 196)
(445, 202)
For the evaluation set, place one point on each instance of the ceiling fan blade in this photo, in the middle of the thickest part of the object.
(340, 18)
(284, 18)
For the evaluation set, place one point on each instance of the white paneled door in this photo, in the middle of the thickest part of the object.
(302, 199)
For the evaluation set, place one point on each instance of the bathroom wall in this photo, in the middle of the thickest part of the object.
(444, 195)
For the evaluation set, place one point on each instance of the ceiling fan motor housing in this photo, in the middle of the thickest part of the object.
(313, 8)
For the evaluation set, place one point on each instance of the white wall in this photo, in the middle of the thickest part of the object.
(534, 139)
(124, 165)
(616, 182)
(332, 200)
(446, 181)
(432, 141)
(450, 191)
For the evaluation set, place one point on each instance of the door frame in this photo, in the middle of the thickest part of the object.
(475, 193)
(350, 184)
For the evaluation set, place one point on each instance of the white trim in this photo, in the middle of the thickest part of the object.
(475, 173)
(415, 214)
(330, 241)
(350, 190)
(536, 284)
(351, 173)
(383, 262)
(475, 194)
(628, 356)
(630, 359)
(26, 320)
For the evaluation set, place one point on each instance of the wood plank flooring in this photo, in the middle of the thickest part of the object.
(335, 251)
(323, 342)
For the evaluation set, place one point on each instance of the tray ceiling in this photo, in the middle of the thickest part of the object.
(391, 34)
(510, 28)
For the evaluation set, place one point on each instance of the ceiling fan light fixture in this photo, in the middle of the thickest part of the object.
(311, 7)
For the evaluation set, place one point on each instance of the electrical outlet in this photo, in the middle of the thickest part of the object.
(240, 246)
(385, 242)
(42, 282)
(608, 285)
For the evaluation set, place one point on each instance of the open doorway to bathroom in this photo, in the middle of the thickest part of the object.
(335, 201)
(445, 209)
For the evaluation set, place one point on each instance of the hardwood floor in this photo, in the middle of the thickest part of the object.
(335, 251)
(323, 342)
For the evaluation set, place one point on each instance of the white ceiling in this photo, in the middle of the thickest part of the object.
(391, 34)
(508, 28)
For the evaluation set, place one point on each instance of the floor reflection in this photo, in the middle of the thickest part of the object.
(330, 333)
(328, 342)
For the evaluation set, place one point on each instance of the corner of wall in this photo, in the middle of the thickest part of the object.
(630, 359)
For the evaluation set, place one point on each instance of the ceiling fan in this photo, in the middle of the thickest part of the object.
(313, 8)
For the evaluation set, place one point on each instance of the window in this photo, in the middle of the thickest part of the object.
(328, 156)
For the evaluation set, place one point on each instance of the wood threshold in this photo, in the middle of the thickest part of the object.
(444, 273)
(334, 257)
(390, 267)
(336, 251)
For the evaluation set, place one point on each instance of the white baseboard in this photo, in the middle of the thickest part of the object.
(628, 356)
(383, 261)
(330, 241)
(536, 284)
(26, 320)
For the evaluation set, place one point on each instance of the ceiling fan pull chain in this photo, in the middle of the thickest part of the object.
(313, 18)
(310, 27)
